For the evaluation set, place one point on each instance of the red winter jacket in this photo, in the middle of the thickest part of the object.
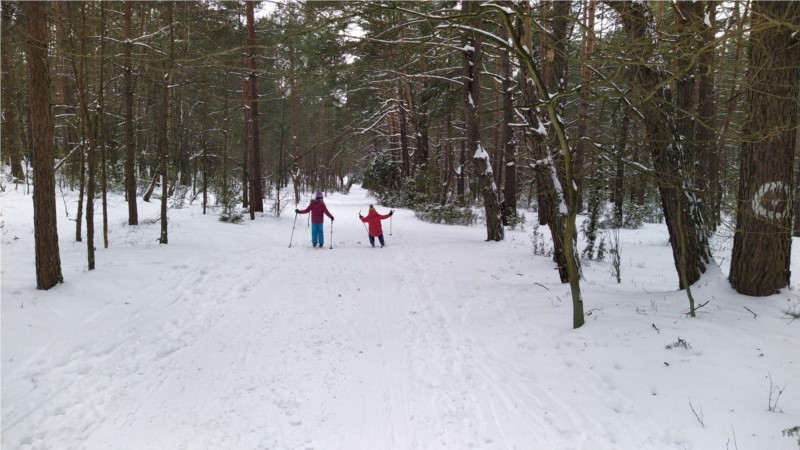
(317, 208)
(374, 221)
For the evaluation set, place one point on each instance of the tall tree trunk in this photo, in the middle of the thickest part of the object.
(411, 106)
(45, 231)
(294, 109)
(733, 103)
(12, 150)
(393, 130)
(619, 176)
(81, 184)
(402, 118)
(130, 145)
(65, 30)
(461, 188)
(254, 147)
(796, 227)
(563, 223)
(163, 138)
(204, 139)
(448, 172)
(471, 68)
(89, 131)
(227, 190)
(696, 158)
(423, 140)
(582, 147)
(245, 151)
(509, 144)
(689, 18)
(705, 130)
(548, 185)
(688, 233)
(762, 242)
(101, 129)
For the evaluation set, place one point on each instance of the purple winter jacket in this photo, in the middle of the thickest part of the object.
(317, 208)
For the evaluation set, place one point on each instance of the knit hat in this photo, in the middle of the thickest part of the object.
(319, 195)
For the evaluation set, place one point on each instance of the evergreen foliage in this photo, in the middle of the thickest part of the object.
(383, 179)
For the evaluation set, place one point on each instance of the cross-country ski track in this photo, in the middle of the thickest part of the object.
(227, 338)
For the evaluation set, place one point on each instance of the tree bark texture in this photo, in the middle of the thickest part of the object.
(548, 183)
(163, 132)
(705, 129)
(582, 147)
(509, 143)
(618, 192)
(48, 259)
(130, 144)
(732, 102)
(652, 100)
(12, 148)
(253, 145)
(89, 131)
(471, 67)
(762, 242)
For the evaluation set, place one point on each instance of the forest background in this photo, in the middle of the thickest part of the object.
(626, 112)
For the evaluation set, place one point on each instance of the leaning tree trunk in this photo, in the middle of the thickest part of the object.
(650, 90)
(45, 231)
(762, 243)
(471, 67)
(562, 177)
(548, 184)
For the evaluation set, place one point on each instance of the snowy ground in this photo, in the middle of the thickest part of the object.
(226, 338)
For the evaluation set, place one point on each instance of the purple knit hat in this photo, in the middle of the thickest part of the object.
(319, 195)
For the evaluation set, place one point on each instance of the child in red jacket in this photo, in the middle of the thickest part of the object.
(374, 221)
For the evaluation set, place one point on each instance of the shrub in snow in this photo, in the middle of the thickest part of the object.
(793, 432)
(679, 343)
(448, 214)
(540, 246)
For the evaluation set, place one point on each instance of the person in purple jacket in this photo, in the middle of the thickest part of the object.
(317, 208)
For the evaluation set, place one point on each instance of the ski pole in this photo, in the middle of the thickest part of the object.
(331, 233)
(291, 238)
(362, 223)
(390, 224)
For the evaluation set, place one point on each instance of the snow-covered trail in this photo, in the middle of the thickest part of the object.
(229, 338)
(354, 347)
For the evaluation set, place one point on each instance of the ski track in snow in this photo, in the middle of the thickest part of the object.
(82, 384)
(233, 346)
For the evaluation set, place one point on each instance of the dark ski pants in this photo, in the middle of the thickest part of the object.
(372, 240)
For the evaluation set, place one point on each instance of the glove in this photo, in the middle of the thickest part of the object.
(360, 216)
(391, 213)
(296, 211)
(331, 219)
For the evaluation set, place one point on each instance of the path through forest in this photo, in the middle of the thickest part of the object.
(229, 338)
